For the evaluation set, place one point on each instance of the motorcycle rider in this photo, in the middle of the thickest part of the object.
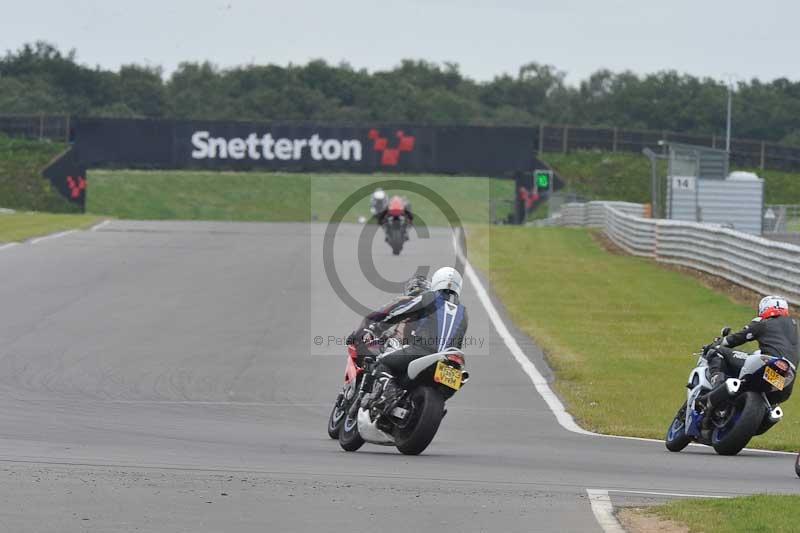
(435, 321)
(378, 203)
(366, 332)
(777, 336)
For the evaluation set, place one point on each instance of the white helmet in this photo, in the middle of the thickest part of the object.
(773, 306)
(379, 194)
(446, 278)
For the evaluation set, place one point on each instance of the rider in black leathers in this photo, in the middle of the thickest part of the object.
(368, 333)
(777, 335)
(435, 321)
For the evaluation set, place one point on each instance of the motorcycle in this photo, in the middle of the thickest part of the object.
(413, 421)
(728, 416)
(353, 374)
(396, 224)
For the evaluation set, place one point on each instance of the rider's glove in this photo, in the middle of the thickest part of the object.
(351, 339)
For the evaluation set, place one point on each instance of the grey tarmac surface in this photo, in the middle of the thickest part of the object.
(163, 376)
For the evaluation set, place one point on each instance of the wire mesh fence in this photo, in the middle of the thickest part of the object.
(743, 152)
(51, 127)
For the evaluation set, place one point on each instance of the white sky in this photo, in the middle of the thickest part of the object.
(702, 37)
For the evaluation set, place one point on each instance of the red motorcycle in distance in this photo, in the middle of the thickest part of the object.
(353, 374)
(395, 223)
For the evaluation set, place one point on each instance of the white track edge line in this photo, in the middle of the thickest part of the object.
(539, 382)
(604, 511)
(99, 225)
(675, 494)
(58, 235)
(8, 245)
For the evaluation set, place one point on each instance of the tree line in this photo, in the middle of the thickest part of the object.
(40, 78)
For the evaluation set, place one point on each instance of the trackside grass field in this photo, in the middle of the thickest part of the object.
(278, 197)
(20, 226)
(617, 330)
(751, 514)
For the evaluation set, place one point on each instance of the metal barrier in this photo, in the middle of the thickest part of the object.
(762, 265)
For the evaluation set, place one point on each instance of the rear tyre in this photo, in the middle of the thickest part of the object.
(349, 438)
(427, 410)
(743, 424)
(797, 465)
(396, 250)
(677, 439)
(336, 419)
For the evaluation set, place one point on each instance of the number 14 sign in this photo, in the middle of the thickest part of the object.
(681, 183)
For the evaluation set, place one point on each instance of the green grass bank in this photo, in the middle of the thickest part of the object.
(618, 331)
(280, 197)
(22, 186)
(750, 514)
(18, 227)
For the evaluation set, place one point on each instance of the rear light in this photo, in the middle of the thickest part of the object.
(782, 365)
(456, 358)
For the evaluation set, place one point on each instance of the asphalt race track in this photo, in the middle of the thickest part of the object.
(163, 376)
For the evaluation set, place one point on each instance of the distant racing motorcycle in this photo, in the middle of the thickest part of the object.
(728, 416)
(395, 223)
(412, 422)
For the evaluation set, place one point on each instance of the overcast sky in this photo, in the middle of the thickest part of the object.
(702, 37)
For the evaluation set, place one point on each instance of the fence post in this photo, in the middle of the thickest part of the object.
(614, 146)
(713, 140)
(763, 150)
(564, 138)
(541, 138)
(66, 130)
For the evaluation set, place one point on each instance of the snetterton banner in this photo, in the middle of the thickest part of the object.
(473, 150)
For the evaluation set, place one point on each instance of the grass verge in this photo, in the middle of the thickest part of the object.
(21, 183)
(750, 514)
(20, 226)
(260, 196)
(618, 331)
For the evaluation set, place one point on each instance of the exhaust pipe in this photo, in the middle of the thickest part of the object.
(724, 392)
(775, 414)
(464, 377)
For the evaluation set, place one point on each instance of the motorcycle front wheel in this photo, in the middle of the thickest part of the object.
(336, 419)
(425, 415)
(677, 439)
(349, 438)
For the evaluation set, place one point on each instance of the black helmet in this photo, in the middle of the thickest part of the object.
(416, 286)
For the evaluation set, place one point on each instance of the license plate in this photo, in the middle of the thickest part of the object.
(447, 375)
(774, 379)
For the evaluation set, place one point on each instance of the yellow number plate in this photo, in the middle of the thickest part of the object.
(447, 375)
(774, 379)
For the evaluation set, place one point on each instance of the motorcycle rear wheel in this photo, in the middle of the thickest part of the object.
(729, 440)
(427, 410)
(677, 439)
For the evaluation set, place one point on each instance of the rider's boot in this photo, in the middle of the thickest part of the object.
(390, 391)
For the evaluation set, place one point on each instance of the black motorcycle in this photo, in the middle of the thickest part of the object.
(396, 229)
(411, 423)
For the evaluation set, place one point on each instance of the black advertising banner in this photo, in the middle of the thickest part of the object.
(68, 175)
(473, 150)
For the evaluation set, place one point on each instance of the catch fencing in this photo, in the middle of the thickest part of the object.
(762, 265)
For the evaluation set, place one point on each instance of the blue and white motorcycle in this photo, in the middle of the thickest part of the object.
(727, 417)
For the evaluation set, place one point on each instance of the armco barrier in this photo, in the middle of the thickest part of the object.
(759, 264)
